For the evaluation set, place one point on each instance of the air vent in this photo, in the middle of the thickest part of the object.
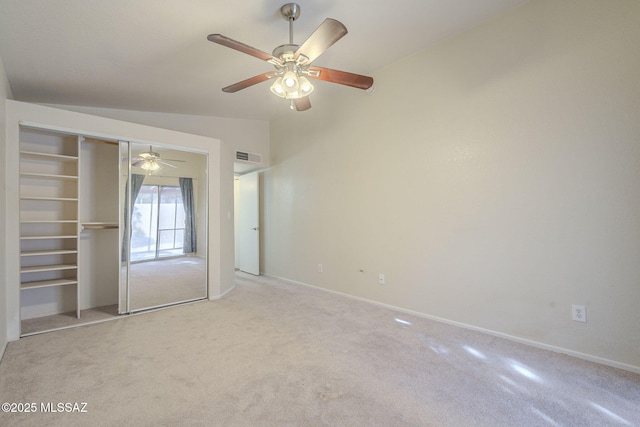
(248, 157)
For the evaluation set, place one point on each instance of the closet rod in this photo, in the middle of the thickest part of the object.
(99, 226)
(89, 139)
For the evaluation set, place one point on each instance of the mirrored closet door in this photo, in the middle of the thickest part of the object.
(107, 227)
(164, 238)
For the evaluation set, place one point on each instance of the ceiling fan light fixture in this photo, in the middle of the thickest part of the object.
(292, 85)
(150, 165)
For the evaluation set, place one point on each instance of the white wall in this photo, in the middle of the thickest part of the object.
(236, 228)
(221, 269)
(5, 93)
(494, 180)
(227, 251)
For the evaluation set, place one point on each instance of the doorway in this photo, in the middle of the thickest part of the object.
(247, 220)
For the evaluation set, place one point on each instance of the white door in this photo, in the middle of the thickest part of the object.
(248, 219)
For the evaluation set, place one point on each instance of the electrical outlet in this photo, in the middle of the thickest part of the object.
(381, 278)
(320, 268)
(579, 313)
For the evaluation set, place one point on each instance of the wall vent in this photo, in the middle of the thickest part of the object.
(248, 157)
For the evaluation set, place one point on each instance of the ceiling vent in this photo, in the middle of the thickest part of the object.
(249, 157)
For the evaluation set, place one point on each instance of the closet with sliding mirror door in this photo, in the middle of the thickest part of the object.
(164, 238)
(107, 227)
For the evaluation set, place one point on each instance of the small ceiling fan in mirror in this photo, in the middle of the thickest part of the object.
(151, 161)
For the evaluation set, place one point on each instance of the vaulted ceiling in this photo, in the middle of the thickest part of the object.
(154, 55)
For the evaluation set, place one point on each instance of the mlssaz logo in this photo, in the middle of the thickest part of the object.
(63, 407)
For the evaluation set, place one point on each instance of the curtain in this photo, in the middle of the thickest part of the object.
(136, 185)
(186, 188)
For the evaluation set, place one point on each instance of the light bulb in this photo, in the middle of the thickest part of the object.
(276, 88)
(290, 80)
(305, 85)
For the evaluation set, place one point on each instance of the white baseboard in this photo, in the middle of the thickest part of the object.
(3, 349)
(222, 295)
(526, 341)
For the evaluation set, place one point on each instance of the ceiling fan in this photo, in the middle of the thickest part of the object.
(293, 62)
(151, 161)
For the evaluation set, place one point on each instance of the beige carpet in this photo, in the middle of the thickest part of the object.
(166, 281)
(273, 354)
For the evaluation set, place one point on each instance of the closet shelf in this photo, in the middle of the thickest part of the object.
(51, 252)
(48, 283)
(53, 267)
(49, 155)
(50, 182)
(54, 199)
(48, 237)
(48, 221)
(47, 176)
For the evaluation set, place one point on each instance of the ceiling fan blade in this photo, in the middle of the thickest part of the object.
(329, 32)
(167, 164)
(233, 44)
(302, 104)
(341, 77)
(138, 163)
(246, 83)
